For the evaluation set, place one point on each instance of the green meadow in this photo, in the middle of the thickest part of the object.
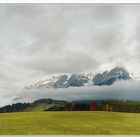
(69, 123)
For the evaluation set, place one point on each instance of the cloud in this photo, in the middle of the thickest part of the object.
(124, 90)
(40, 40)
(70, 62)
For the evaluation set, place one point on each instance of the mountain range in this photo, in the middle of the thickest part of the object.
(84, 79)
(89, 82)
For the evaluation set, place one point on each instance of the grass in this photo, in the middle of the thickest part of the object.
(69, 123)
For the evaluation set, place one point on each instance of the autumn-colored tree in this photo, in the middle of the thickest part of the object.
(107, 107)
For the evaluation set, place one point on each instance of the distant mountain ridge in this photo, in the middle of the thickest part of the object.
(108, 78)
(78, 80)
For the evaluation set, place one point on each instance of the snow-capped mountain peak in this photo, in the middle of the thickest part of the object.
(84, 79)
(109, 77)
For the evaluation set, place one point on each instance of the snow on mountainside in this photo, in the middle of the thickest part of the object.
(84, 79)
(135, 76)
(64, 81)
(108, 78)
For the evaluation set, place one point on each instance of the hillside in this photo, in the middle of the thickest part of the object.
(38, 105)
(80, 105)
(69, 123)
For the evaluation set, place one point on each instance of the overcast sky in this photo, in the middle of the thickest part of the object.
(37, 41)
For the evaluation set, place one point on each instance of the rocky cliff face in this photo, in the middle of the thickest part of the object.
(108, 78)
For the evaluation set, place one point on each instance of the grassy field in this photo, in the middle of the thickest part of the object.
(69, 123)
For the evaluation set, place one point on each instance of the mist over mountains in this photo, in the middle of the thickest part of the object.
(114, 84)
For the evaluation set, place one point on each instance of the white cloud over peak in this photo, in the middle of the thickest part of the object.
(38, 40)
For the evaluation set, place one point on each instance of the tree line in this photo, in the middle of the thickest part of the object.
(99, 105)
